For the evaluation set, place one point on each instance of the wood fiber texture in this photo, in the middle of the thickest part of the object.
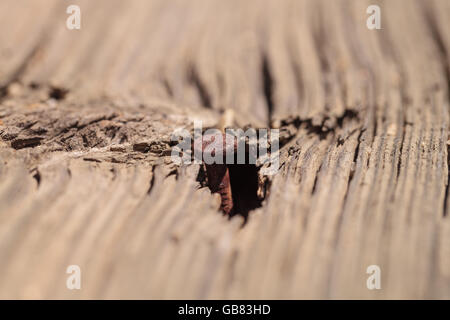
(86, 176)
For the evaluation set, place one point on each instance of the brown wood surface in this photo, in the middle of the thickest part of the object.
(85, 170)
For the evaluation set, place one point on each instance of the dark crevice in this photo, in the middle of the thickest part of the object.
(245, 183)
(22, 143)
(316, 178)
(152, 181)
(358, 146)
(202, 177)
(348, 114)
(321, 129)
(26, 126)
(168, 87)
(220, 84)
(355, 159)
(375, 126)
(196, 81)
(296, 69)
(19, 72)
(268, 84)
(399, 163)
(37, 176)
(81, 126)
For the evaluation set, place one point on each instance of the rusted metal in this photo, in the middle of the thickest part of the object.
(218, 173)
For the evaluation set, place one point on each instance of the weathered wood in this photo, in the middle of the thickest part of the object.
(85, 169)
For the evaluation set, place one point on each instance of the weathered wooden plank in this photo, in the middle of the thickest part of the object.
(85, 169)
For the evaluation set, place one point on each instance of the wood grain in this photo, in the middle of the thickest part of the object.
(86, 177)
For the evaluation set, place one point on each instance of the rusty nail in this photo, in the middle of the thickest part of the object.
(218, 174)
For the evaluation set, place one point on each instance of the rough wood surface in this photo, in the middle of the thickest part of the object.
(85, 170)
